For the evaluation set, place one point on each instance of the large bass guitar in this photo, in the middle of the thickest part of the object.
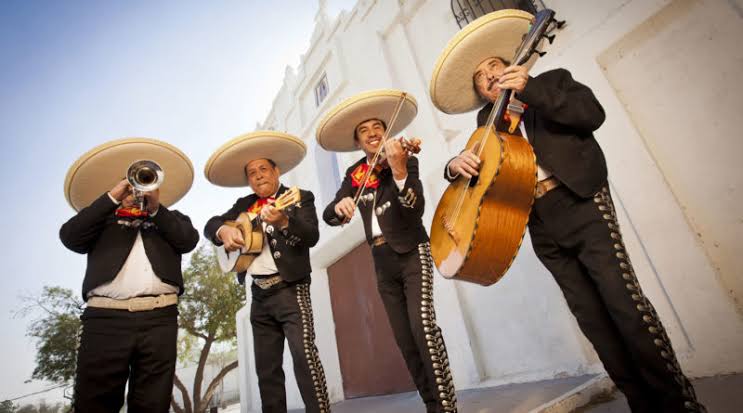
(480, 222)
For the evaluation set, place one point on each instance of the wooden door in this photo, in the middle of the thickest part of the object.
(371, 363)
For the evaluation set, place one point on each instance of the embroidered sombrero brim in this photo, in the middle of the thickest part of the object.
(336, 129)
(495, 34)
(102, 167)
(226, 167)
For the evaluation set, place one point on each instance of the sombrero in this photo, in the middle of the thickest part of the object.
(336, 129)
(226, 166)
(102, 167)
(495, 34)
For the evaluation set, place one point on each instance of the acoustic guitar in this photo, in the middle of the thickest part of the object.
(251, 227)
(480, 222)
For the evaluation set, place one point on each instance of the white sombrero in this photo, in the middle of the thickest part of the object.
(226, 167)
(102, 167)
(336, 129)
(495, 34)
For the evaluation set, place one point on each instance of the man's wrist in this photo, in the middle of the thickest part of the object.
(111, 197)
(216, 234)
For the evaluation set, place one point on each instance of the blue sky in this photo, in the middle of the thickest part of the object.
(76, 73)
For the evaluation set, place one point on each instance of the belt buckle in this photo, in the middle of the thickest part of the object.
(266, 283)
(137, 304)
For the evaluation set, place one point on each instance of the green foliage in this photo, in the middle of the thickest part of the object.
(6, 406)
(211, 300)
(55, 332)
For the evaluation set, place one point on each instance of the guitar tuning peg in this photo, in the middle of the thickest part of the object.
(549, 38)
(559, 23)
(541, 54)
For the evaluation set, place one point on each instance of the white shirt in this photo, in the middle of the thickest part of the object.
(375, 228)
(264, 263)
(542, 173)
(136, 277)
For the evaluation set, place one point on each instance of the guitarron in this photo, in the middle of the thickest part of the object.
(480, 222)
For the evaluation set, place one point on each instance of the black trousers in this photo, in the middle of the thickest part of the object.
(285, 312)
(405, 283)
(579, 242)
(116, 346)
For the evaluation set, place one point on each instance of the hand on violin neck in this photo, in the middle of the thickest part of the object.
(397, 157)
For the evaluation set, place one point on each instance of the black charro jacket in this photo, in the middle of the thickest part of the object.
(291, 246)
(560, 119)
(398, 212)
(95, 231)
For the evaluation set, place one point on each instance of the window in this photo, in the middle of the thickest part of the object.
(466, 11)
(328, 174)
(321, 90)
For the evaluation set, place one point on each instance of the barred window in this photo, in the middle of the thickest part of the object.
(321, 90)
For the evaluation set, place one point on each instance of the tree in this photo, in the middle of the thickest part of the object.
(6, 406)
(56, 333)
(207, 312)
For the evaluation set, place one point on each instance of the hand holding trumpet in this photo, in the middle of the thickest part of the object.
(124, 194)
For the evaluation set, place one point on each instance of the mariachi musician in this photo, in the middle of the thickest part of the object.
(391, 206)
(134, 243)
(573, 223)
(281, 308)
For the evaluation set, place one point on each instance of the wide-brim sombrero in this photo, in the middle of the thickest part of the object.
(336, 129)
(495, 34)
(102, 167)
(226, 166)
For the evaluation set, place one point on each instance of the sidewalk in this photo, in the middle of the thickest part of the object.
(584, 394)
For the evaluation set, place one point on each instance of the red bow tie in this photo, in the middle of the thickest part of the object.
(357, 177)
(131, 212)
(259, 204)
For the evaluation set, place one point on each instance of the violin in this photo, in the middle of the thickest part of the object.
(412, 146)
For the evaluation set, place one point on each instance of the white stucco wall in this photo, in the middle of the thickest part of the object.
(520, 329)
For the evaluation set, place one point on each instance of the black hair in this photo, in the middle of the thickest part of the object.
(245, 168)
(355, 134)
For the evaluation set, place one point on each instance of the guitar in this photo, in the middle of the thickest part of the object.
(479, 223)
(251, 227)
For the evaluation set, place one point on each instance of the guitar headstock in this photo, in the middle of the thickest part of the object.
(288, 198)
(538, 30)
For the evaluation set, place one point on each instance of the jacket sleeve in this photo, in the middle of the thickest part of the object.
(176, 229)
(302, 229)
(211, 227)
(411, 195)
(561, 99)
(447, 175)
(346, 189)
(80, 232)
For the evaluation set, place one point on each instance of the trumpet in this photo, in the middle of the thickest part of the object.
(144, 176)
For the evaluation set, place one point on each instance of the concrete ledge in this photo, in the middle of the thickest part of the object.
(578, 397)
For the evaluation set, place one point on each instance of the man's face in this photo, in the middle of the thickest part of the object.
(369, 135)
(263, 177)
(486, 77)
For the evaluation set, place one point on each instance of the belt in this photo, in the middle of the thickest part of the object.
(267, 282)
(134, 304)
(378, 240)
(546, 185)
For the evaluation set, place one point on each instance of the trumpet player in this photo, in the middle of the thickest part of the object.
(133, 243)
